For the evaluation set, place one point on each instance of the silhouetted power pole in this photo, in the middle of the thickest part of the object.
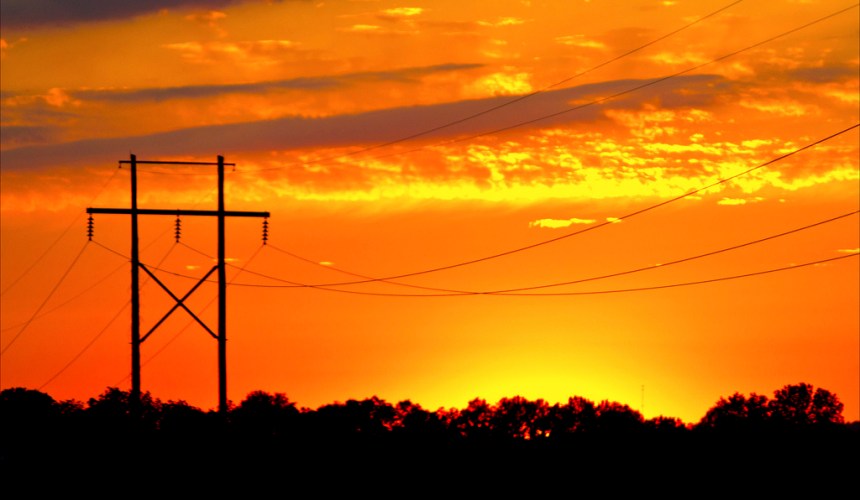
(136, 266)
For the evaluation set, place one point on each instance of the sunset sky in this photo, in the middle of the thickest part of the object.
(484, 149)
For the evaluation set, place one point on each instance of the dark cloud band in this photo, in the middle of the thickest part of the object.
(39, 13)
(307, 83)
(365, 128)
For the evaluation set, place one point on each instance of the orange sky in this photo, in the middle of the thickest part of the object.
(306, 98)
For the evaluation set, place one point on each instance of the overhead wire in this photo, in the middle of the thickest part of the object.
(71, 299)
(203, 309)
(60, 237)
(187, 325)
(517, 98)
(119, 312)
(513, 291)
(447, 292)
(589, 292)
(601, 100)
(596, 226)
(108, 325)
(688, 283)
(47, 298)
(646, 84)
(631, 271)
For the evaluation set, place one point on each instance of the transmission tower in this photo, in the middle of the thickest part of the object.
(136, 266)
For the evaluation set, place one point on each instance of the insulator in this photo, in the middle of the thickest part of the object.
(90, 225)
(265, 230)
(178, 231)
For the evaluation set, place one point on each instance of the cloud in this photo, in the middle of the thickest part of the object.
(579, 41)
(559, 223)
(18, 135)
(208, 18)
(39, 13)
(739, 201)
(544, 110)
(503, 21)
(363, 28)
(849, 250)
(823, 74)
(253, 52)
(500, 84)
(305, 83)
(780, 107)
(398, 13)
(673, 59)
(54, 97)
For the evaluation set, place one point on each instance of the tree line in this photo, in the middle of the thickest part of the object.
(267, 435)
(799, 407)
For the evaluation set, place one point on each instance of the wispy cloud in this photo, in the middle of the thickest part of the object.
(579, 41)
(250, 52)
(503, 21)
(306, 83)
(739, 201)
(559, 223)
(398, 13)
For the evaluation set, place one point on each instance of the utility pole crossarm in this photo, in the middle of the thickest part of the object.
(155, 211)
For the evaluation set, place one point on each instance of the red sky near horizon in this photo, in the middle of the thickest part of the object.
(390, 138)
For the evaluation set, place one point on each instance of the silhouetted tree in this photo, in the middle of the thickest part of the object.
(20, 407)
(578, 415)
(27, 417)
(618, 418)
(367, 418)
(520, 418)
(737, 413)
(261, 413)
(474, 421)
(666, 426)
(826, 408)
(112, 412)
(411, 419)
(798, 405)
(178, 418)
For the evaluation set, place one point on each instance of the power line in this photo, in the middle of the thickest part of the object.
(515, 100)
(515, 291)
(621, 273)
(679, 261)
(70, 300)
(601, 100)
(85, 290)
(208, 304)
(364, 277)
(50, 294)
(597, 226)
(86, 347)
(103, 330)
(590, 292)
(60, 237)
(691, 283)
(534, 245)
(187, 325)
